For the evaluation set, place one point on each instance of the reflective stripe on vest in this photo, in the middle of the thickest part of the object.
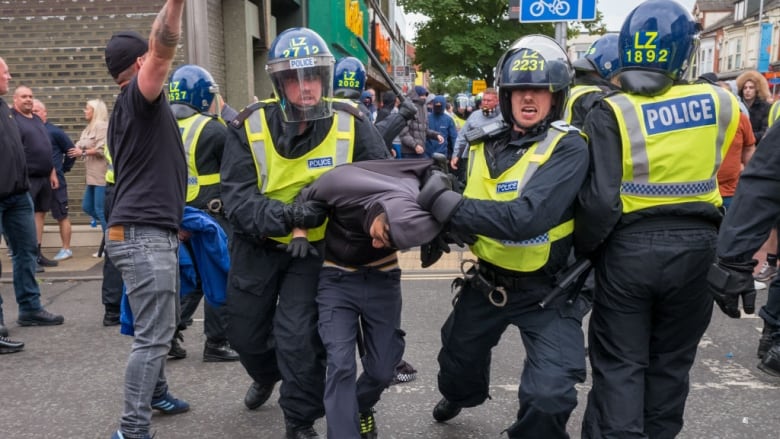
(190, 129)
(530, 254)
(774, 113)
(109, 166)
(280, 178)
(577, 92)
(673, 144)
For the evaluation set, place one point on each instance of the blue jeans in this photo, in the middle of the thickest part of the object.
(18, 224)
(147, 257)
(92, 205)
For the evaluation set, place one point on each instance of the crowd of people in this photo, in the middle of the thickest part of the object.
(562, 171)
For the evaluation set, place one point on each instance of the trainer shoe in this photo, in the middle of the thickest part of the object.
(8, 346)
(404, 372)
(766, 273)
(39, 318)
(177, 352)
(445, 410)
(169, 405)
(118, 435)
(64, 253)
(44, 261)
(368, 425)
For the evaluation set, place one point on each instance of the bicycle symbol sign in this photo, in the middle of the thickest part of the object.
(557, 10)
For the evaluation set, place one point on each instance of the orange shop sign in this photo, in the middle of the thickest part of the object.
(381, 44)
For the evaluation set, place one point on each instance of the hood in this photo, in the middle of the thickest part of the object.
(762, 86)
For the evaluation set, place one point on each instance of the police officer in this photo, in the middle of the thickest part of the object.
(192, 92)
(273, 150)
(648, 218)
(592, 75)
(521, 244)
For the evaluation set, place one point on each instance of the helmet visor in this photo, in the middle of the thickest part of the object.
(303, 87)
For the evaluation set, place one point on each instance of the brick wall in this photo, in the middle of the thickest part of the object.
(56, 48)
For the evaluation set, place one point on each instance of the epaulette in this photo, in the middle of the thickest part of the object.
(349, 108)
(561, 125)
(249, 109)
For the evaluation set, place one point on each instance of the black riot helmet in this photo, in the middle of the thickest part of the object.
(534, 61)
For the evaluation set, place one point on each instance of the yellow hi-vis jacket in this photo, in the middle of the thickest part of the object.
(577, 92)
(190, 128)
(531, 254)
(774, 113)
(280, 178)
(109, 167)
(673, 144)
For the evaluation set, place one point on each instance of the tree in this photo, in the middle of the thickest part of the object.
(466, 37)
(449, 86)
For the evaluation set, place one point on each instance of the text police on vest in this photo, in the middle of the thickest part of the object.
(675, 114)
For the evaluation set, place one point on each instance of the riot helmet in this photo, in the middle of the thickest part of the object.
(301, 69)
(534, 62)
(192, 85)
(349, 78)
(462, 105)
(602, 57)
(657, 41)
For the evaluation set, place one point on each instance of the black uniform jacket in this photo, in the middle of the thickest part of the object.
(252, 213)
(13, 165)
(599, 209)
(545, 202)
(756, 204)
(358, 192)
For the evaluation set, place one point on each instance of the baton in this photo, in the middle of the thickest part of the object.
(566, 279)
(381, 68)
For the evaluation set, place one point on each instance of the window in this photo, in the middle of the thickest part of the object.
(739, 10)
(738, 55)
(729, 57)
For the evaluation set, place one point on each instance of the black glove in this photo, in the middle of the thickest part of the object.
(440, 162)
(407, 109)
(461, 239)
(728, 282)
(299, 247)
(437, 196)
(306, 215)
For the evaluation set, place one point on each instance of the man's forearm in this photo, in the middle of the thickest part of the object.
(166, 30)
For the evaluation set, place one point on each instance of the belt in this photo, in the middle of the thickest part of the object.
(514, 280)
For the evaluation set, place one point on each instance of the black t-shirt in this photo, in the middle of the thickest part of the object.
(37, 146)
(148, 158)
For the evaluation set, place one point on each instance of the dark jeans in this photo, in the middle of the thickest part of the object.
(343, 301)
(651, 308)
(17, 223)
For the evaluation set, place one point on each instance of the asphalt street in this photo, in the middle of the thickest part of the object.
(67, 383)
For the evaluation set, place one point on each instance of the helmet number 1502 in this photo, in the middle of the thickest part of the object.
(645, 49)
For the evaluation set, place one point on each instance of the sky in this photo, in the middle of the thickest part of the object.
(614, 11)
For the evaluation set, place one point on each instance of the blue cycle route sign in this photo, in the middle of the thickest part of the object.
(538, 11)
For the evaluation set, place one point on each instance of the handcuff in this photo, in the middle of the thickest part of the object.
(496, 294)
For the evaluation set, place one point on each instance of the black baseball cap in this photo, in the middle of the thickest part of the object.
(123, 49)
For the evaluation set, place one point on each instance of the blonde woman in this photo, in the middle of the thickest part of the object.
(91, 147)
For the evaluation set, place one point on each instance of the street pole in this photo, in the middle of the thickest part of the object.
(760, 31)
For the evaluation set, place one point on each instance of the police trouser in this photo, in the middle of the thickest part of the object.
(111, 289)
(214, 318)
(343, 298)
(651, 308)
(278, 340)
(770, 312)
(554, 345)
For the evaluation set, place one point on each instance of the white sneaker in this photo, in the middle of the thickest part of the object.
(758, 285)
(97, 254)
(64, 253)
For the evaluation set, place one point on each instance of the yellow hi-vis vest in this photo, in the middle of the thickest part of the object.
(109, 167)
(673, 144)
(190, 129)
(774, 113)
(577, 92)
(280, 178)
(531, 254)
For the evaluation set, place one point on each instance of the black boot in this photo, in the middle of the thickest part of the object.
(214, 351)
(765, 342)
(43, 261)
(771, 362)
(445, 410)
(258, 394)
(177, 352)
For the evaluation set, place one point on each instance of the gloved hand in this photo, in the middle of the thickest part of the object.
(440, 162)
(728, 282)
(461, 239)
(306, 215)
(299, 247)
(407, 109)
(437, 196)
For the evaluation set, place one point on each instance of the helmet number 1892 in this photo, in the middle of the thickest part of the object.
(645, 49)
